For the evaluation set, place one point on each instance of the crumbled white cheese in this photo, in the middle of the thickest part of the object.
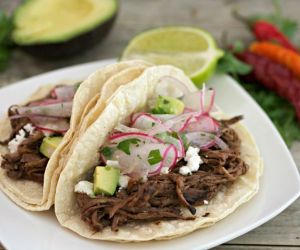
(123, 181)
(184, 170)
(114, 164)
(164, 170)
(19, 138)
(14, 143)
(85, 187)
(205, 202)
(29, 128)
(193, 161)
(192, 151)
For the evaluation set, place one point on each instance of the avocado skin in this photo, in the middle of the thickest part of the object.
(73, 46)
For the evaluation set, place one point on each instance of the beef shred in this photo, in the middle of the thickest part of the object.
(162, 197)
(27, 162)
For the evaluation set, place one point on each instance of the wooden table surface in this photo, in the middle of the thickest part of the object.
(282, 232)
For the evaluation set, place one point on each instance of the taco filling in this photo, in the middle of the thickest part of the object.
(37, 129)
(171, 156)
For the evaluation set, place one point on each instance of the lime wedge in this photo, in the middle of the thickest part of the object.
(191, 49)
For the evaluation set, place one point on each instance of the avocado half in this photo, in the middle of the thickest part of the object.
(59, 28)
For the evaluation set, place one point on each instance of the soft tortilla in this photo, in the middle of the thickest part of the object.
(33, 196)
(129, 99)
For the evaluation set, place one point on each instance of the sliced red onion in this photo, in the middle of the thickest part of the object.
(207, 99)
(63, 109)
(125, 129)
(201, 101)
(191, 101)
(169, 156)
(178, 123)
(144, 121)
(177, 142)
(33, 116)
(164, 117)
(136, 164)
(221, 144)
(43, 102)
(52, 125)
(64, 93)
(202, 140)
(203, 123)
(171, 86)
(118, 137)
(205, 140)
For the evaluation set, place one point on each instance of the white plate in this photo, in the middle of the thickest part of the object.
(20, 229)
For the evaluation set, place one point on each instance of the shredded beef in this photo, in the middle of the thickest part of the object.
(161, 197)
(16, 124)
(229, 136)
(27, 162)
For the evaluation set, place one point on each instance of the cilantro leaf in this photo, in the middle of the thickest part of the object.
(154, 157)
(231, 65)
(280, 111)
(107, 152)
(184, 140)
(125, 145)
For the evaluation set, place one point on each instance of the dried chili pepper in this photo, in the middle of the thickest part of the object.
(265, 31)
(281, 55)
(274, 76)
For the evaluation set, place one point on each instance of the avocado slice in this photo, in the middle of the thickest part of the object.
(168, 105)
(49, 145)
(55, 28)
(106, 180)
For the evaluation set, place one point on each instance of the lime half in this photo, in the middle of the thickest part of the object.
(191, 49)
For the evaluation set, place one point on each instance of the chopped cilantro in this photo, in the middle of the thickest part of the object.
(107, 152)
(125, 145)
(184, 140)
(154, 157)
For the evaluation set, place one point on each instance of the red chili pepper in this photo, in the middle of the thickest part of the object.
(274, 76)
(265, 31)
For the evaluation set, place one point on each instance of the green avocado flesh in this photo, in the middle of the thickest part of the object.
(106, 180)
(49, 145)
(53, 21)
(168, 105)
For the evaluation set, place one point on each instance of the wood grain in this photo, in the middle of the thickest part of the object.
(215, 16)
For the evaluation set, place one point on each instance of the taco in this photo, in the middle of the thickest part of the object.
(37, 135)
(159, 162)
